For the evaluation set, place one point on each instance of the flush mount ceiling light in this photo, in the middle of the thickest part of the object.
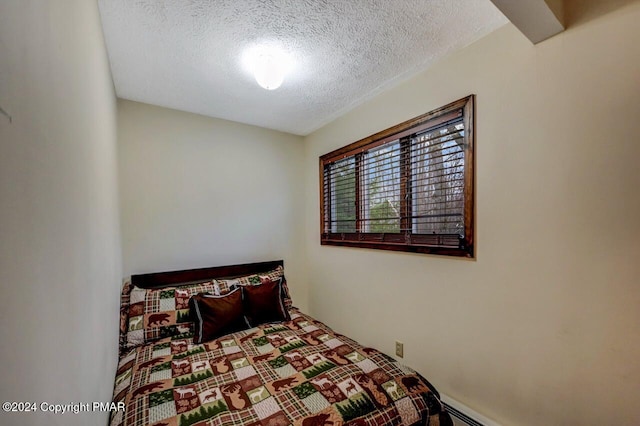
(269, 73)
(268, 64)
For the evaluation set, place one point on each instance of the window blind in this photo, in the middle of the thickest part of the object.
(407, 188)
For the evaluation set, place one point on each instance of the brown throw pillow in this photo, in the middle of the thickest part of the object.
(216, 316)
(265, 303)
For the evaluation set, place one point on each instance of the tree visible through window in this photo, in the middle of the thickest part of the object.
(406, 188)
(438, 181)
(343, 197)
(382, 189)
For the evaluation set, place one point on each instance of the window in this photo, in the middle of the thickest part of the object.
(407, 188)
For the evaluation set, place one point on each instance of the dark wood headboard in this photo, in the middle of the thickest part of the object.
(164, 279)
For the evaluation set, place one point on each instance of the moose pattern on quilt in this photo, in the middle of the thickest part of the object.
(298, 372)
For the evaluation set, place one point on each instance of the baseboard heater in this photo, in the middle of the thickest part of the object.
(463, 415)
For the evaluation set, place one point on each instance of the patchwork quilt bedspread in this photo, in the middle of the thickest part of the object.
(298, 372)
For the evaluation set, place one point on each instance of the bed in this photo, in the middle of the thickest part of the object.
(294, 371)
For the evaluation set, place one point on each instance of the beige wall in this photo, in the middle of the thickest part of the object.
(60, 259)
(544, 327)
(198, 191)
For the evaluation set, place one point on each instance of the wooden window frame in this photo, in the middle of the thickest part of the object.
(406, 240)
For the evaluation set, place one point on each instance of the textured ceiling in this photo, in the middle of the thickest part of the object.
(187, 54)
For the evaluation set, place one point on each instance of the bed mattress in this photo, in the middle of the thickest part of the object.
(298, 372)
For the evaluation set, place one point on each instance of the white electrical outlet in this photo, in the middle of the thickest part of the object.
(399, 349)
